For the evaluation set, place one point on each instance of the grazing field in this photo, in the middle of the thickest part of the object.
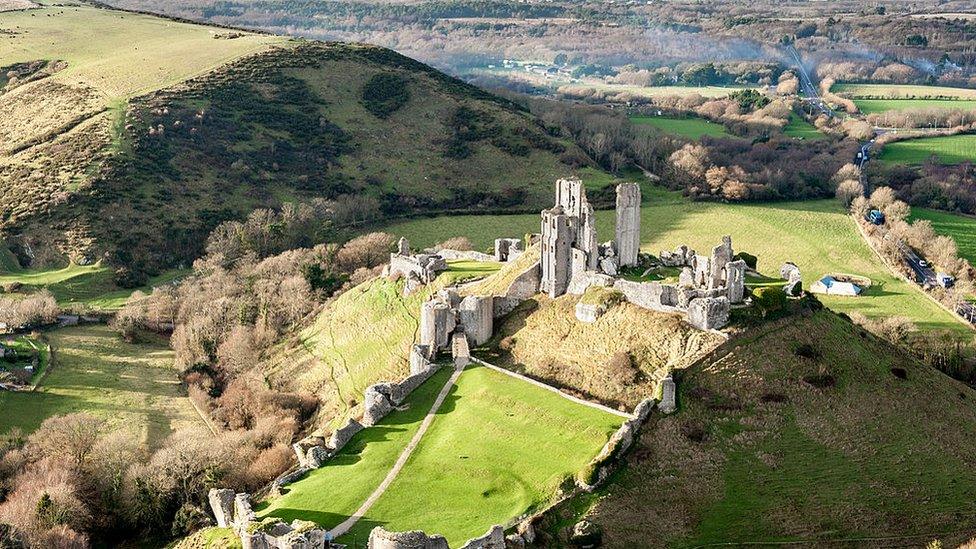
(498, 447)
(119, 54)
(962, 229)
(801, 129)
(871, 106)
(902, 91)
(84, 286)
(651, 91)
(692, 128)
(131, 386)
(817, 235)
(838, 443)
(951, 149)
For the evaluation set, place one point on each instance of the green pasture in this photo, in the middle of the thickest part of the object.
(499, 447)
(872, 106)
(131, 385)
(902, 91)
(691, 128)
(962, 229)
(951, 149)
(801, 129)
(86, 286)
(816, 235)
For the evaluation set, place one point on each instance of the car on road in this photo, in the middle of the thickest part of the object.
(922, 263)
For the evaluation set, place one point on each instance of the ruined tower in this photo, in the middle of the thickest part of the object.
(556, 243)
(628, 224)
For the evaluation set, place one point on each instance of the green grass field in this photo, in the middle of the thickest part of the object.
(655, 91)
(872, 106)
(817, 235)
(692, 128)
(499, 447)
(961, 228)
(952, 149)
(902, 91)
(119, 60)
(85, 286)
(131, 386)
(801, 129)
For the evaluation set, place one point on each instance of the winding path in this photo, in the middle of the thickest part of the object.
(347, 524)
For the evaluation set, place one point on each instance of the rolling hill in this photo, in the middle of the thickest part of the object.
(807, 431)
(127, 137)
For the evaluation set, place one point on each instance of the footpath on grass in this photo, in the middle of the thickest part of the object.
(347, 524)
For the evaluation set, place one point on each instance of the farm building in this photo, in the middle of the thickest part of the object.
(831, 286)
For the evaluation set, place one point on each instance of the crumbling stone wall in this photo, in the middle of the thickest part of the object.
(380, 538)
(476, 317)
(270, 533)
(508, 249)
(627, 237)
(621, 440)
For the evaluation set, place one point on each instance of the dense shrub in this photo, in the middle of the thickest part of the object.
(385, 93)
(769, 300)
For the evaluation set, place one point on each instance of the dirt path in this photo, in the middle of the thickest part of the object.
(347, 524)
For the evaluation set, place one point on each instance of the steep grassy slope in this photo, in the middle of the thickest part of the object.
(816, 235)
(809, 430)
(362, 337)
(139, 134)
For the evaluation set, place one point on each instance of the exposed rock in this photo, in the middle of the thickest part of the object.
(494, 538)
(668, 391)
(379, 538)
(586, 534)
(222, 505)
(708, 313)
(342, 435)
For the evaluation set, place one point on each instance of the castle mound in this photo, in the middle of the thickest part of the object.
(809, 430)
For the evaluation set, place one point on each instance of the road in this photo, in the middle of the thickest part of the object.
(808, 87)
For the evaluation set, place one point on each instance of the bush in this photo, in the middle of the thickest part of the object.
(769, 300)
(384, 94)
(751, 261)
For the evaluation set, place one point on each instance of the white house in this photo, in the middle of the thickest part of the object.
(831, 286)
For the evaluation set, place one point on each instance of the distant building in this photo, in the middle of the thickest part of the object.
(876, 217)
(831, 286)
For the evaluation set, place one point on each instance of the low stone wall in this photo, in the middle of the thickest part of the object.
(453, 255)
(382, 398)
(654, 296)
(598, 469)
(380, 538)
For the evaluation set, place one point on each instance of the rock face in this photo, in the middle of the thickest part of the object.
(222, 504)
(379, 538)
(494, 538)
(735, 276)
(476, 316)
(342, 435)
(628, 224)
(708, 313)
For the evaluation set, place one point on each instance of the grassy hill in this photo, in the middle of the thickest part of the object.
(809, 430)
(127, 137)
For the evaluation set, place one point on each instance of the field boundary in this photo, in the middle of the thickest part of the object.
(550, 388)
